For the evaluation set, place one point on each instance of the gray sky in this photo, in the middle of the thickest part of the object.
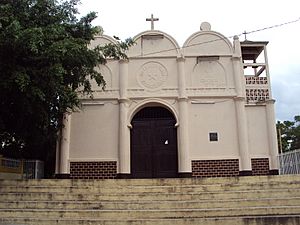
(181, 19)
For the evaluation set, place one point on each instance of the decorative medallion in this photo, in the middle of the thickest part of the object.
(152, 75)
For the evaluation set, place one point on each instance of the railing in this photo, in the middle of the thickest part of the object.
(28, 169)
(289, 162)
(33, 169)
(11, 165)
(256, 80)
(257, 88)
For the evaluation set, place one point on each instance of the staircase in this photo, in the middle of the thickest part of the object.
(265, 200)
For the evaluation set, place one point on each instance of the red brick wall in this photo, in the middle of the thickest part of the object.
(200, 168)
(215, 168)
(260, 166)
(93, 170)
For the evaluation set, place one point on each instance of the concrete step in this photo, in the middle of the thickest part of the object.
(151, 214)
(249, 194)
(249, 220)
(272, 200)
(140, 205)
(151, 188)
(146, 182)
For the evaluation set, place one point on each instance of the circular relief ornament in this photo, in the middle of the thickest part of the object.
(152, 75)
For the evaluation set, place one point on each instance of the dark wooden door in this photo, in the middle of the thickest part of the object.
(141, 149)
(164, 149)
(154, 148)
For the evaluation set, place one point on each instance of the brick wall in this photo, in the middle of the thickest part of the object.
(260, 166)
(200, 168)
(215, 168)
(93, 170)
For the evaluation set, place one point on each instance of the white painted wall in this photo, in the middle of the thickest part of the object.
(94, 132)
(219, 117)
(257, 131)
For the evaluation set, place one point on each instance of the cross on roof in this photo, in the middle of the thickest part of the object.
(152, 21)
(245, 33)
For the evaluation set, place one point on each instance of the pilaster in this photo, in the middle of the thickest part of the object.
(181, 77)
(124, 132)
(65, 144)
(184, 162)
(242, 130)
(272, 137)
(123, 78)
(267, 71)
(239, 79)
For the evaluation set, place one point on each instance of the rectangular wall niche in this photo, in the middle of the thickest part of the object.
(207, 58)
(213, 136)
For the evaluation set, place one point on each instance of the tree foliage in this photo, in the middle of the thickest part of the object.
(290, 134)
(44, 59)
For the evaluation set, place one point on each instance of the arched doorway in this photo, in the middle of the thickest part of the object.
(153, 144)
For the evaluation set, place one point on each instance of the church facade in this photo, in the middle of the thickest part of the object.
(201, 110)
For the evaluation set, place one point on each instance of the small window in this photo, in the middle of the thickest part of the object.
(213, 136)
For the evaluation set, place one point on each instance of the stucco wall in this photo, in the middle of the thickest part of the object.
(110, 73)
(257, 131)
(209, 74)
(218, 117)
(94, 132)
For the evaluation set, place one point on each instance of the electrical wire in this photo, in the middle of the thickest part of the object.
(270, 27)
(218, 39)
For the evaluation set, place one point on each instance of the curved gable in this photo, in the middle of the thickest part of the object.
(154, 43)
(102, 40)
(105, 70)
(207, 43)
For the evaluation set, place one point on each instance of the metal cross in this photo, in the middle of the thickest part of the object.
(245, 33)
(152, 21)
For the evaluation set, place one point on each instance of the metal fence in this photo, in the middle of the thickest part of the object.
(33, 169)
(28, 169)
(289, 162)
(11, 165)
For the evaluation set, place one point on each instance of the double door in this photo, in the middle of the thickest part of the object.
(154, 149)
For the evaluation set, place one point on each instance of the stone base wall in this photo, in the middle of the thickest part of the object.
(93, 170)
(215, 168)
(260, 166)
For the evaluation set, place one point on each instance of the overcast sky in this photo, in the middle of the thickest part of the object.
(180, 19)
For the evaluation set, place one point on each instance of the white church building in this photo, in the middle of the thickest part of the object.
(201, 110)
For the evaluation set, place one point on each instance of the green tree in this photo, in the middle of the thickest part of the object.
(44, 59)
(290, 134)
